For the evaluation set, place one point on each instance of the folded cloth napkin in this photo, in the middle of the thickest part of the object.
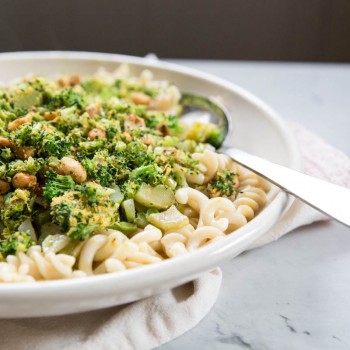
(156, 320)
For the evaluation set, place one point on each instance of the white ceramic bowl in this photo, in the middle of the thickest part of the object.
(258, 129)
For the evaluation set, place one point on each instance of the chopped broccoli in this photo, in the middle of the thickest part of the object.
(18, 206)
(137, 154)
(88, 149)
(165, 124)
(78, 216)
(56, 185)
(93, 193)
(149, 174)
(223, 184)
(11, 243)
(6, 155)
(31, 166)
(66, 98)
(46, 140)
(104, 168)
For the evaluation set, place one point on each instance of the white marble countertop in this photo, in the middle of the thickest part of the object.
(293, 293)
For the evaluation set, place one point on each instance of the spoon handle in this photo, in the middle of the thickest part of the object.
(332, 200)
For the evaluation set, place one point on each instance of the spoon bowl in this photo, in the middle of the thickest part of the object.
(206, 110)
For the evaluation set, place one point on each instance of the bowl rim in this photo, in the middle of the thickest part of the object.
(217, 251)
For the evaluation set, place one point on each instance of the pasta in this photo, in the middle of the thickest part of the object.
(97, 175)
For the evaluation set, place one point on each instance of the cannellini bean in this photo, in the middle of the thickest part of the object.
(133, 121)
(149, 140)
(63, 82)
(25, 152)
(70, 166)
(4, 186)
(139, 98)
(96, 133)
(5, 142)
(74, 80)
(50, 115)
(93, 109)
(24, 180)
(15, 124)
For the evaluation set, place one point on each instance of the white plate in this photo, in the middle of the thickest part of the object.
(258, 129)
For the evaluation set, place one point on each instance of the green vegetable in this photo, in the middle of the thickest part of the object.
(141, 220)
(159, 197)
(117, 196)
(79, 215)
(18, 206)
(14, 242)
(31, 166)
(128, 208)
(170, 219)
(42, 218)
(55, 243)
(57, 185)
(72, 248)
(125, 227)
(66, 98)
(28, 98)
(48, 229)
(223, 184)
(149, 174)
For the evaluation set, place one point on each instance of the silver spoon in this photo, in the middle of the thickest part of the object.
(332, 200)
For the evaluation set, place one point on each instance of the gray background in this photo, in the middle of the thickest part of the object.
(292, 30)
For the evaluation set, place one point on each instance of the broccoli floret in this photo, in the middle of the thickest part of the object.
(54, 145)
(56, 185)
(205, 133)
(89, 148)
(173, 125)
(18, 206)
(78, 215)
(31, 166)
(93, 193)
(46, 139)
(66, 98)
(3, 172)
(165, 124)
(150, 174)
(14, 242)
(95, 87)
(6, 155)
(104, 168)
(137, 154)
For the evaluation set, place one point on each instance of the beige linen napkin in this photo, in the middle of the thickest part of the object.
(156, 320)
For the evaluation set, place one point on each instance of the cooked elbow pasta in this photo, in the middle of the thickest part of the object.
(110, 212)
